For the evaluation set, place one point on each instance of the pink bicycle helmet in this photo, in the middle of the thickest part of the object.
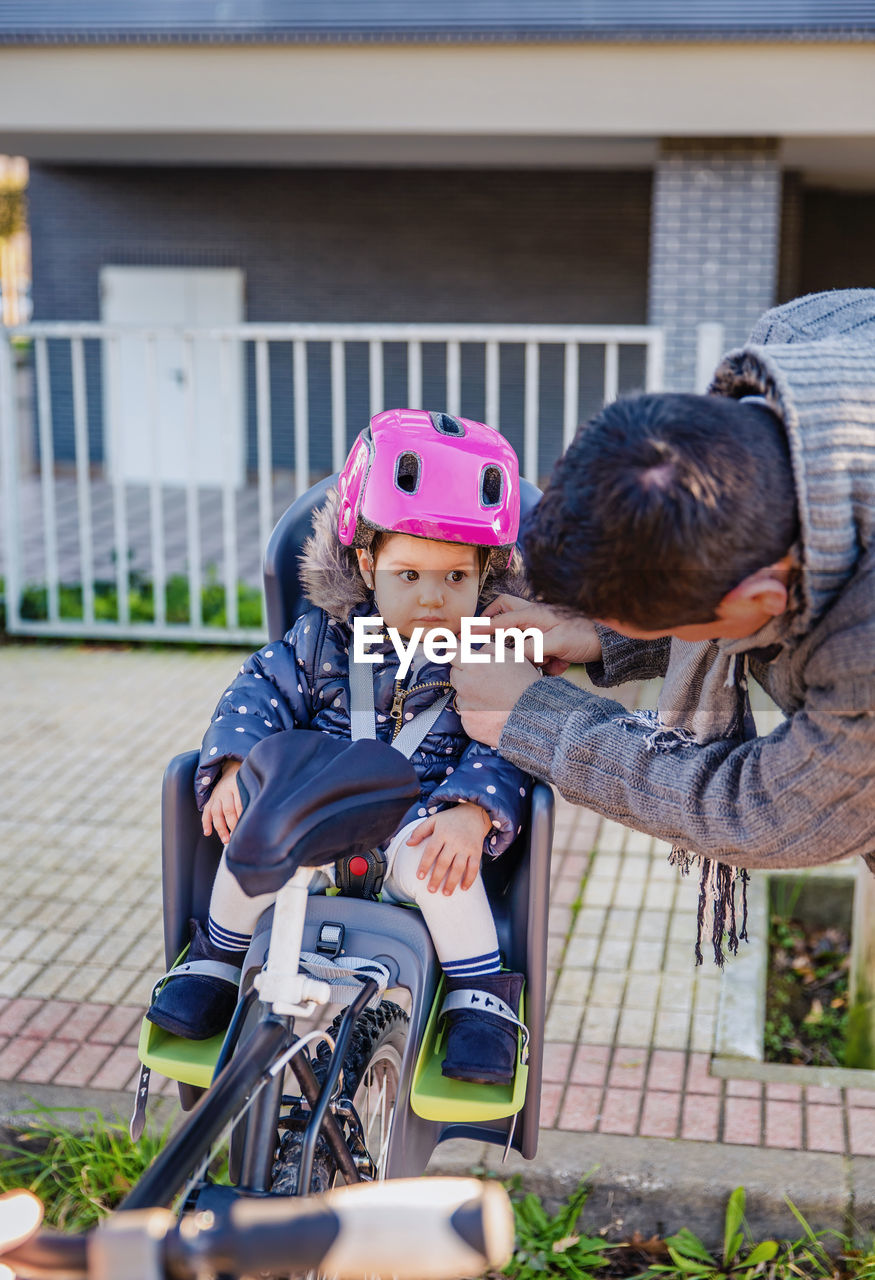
(433, 476)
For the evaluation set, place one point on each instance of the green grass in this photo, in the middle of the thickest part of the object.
(554, 1247)
(80, 1175)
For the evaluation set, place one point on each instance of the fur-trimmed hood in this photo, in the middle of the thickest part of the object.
(331, 579)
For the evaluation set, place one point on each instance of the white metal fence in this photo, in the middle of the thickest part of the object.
(113, 527)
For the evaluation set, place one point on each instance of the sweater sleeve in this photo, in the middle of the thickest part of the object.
(624, 659)
(802, 796)
(271, 691)
(483, 777)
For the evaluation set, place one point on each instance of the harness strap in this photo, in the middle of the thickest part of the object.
(346, 976)
(361, 713)
(207, 968)
(361, 702)
(414, 731)
(483, 1002)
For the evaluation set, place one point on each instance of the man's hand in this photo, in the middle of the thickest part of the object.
(566, 639)
(486, 695)
(20, 1215)
(221, 811)
(454, 846)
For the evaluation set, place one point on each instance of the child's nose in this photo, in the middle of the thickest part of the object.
(431, 591)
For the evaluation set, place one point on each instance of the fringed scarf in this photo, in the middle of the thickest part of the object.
(704, 699)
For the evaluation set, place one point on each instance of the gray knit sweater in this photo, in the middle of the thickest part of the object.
(805, 794)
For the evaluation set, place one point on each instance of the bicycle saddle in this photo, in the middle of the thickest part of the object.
(309, 798)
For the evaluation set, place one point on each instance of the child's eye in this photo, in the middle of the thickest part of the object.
(409, 575)
(457, 575)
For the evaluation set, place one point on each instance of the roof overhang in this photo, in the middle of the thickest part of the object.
(514, 104)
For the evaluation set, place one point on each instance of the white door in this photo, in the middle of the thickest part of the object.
(159, 428)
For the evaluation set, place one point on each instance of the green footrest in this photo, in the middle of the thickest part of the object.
(434, 1097)
(188, 1061)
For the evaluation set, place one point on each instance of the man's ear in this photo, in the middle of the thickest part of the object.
(762, 592)
(364, 559)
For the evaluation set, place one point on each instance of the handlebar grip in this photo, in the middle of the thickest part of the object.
(420, 1229)
(409, 1229)
(49, 1254)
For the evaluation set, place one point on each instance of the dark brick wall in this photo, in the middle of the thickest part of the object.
(837, 243)
(355, 245)
(359, 245)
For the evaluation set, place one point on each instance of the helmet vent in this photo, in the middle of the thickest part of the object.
(491, 486)
(408, 470)
(447, 425)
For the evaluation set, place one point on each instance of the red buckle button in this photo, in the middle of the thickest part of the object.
(358, 866)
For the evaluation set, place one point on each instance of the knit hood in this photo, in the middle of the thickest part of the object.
(331, 579)
(812, 361)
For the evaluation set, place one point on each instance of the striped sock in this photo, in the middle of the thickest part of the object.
(226, 940)
(473, 966)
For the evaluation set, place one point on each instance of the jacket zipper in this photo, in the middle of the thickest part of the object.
(400, 694)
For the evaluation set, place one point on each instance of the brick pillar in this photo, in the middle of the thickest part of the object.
(714, 240)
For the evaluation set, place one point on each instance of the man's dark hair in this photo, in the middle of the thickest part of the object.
(660, 506)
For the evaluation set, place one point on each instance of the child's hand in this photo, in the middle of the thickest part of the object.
(221, 811)
(454, 846)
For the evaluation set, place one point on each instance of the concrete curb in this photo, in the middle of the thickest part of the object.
(657, 1185)
(112, 1104)
(652, 1186)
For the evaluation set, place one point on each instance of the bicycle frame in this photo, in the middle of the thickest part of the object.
(255, 1072)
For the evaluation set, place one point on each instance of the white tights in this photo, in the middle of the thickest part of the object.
(461, 925)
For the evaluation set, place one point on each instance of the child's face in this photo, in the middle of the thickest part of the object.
(422, 583)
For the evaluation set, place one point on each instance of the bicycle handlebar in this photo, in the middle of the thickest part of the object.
(412, 1229)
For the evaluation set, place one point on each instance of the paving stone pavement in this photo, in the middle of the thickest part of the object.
(631, 1023)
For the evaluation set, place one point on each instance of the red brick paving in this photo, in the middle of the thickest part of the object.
(620, 1111)
(860, 1097)
(47, 1019)
(16, 1013)
(700, 1120)
(83, 1020)
(116, 1025)
(861, 1130)
(551, 1095)
(557, 1060)
(744, 1088)
(580, 1110)
(659, 1118)
(591, 1064)
(79, 1070)
(699, 1080)
(784, 1092)
(826, 1130)
(742, 1122)
(823, 1095)
(628, 1068)
(17, 1053)
(667, 1068)
(46, 1062)
(783, 1123)
(118, 1069)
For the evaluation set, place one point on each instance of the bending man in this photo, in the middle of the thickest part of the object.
(707, 539)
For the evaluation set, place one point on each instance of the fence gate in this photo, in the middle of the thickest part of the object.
(92, 548)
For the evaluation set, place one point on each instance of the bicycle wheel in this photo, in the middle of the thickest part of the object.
(371, 1079)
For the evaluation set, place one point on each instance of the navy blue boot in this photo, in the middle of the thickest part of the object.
(199, 996)
(483, 1028)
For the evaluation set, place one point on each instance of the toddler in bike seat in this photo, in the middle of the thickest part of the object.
(420, 533)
